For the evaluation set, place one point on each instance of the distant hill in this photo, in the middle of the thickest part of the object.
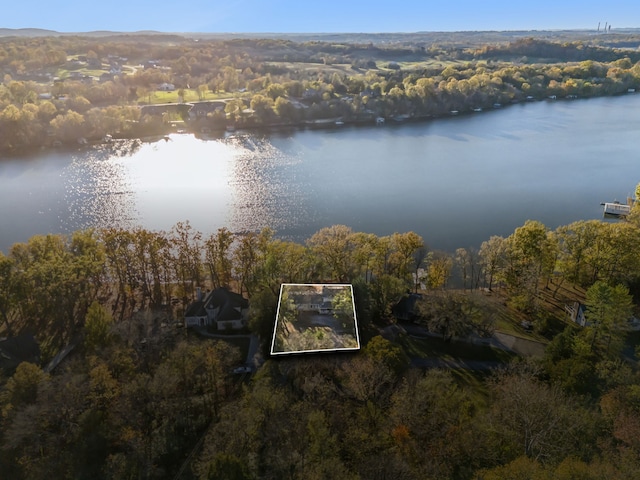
(26, 32)
(459, 39)
(41, 32)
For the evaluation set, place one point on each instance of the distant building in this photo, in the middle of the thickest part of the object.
(202, 109)
(160, 108)
(315, 298)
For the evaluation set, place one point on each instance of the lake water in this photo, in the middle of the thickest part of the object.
(456, 181)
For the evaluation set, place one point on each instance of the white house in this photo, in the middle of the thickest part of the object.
(576, 313)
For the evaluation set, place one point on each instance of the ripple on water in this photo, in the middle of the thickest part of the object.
(98, 192)
(268, 187)
(242, 182)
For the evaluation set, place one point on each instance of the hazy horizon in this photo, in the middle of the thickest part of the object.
(294, 17)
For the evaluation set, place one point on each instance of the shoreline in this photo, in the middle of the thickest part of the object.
(199, 128)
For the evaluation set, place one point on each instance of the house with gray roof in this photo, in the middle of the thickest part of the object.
(202, 109)
(219, 308)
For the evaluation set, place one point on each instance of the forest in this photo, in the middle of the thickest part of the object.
(139, 396)
(61, 90)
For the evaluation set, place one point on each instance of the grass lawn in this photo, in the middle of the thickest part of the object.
(95, 72)
(431, 63)
(437, 348)
(190, 95)
(506, 319)
(509, 320)
(330, 69)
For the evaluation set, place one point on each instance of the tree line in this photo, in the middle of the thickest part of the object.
(40, 102)
(47, 283)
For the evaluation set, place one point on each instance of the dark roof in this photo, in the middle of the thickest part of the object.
(160, 108)
(207, 106)
(15, 350)
(228, 302)
(196, 309)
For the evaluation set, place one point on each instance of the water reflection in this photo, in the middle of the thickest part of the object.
(268, 186)
(241, 182)
(98, 191)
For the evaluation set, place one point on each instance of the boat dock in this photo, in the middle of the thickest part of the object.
(616, 209)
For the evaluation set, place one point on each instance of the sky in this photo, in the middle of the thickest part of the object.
(303, 16)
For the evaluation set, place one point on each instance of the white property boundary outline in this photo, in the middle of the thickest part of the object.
(323, 350)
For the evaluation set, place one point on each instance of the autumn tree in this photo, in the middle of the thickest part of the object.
(404, 247)
(531, 256)
(452, 315)
(608, 310)
(342, 304)
(439, 270)
(577, 242)
(390, 354)
(187, 257)
(97, 327)
(492, 253)
(202, 91)
(428, 413)
(218, 257)
(8, 297)
(334, 246)
(467, 261)
(245, 262)
(263, 106)
(57, 279)
(68, 127)
(285, 109)
(384, 291)
(538, 420)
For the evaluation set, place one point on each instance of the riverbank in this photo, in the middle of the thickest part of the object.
(217, 129)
